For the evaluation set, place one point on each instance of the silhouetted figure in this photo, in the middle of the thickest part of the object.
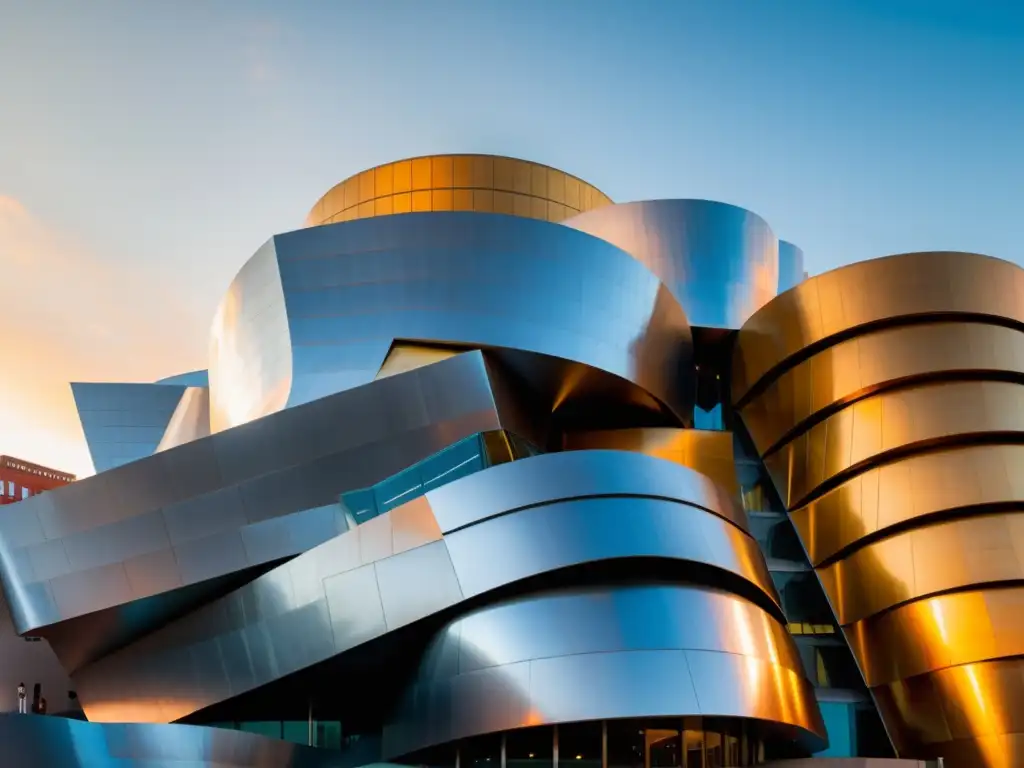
(36, 693)
(42, 706)
(21, 698)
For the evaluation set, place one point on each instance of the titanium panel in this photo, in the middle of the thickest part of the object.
(190, 420)
(604, 652)
(399, 568)
(707, 452)
(720, 262)
(51, 741)
(482, 183)
(267, 490)
(791, 266)
(347, 292)
(886, 399)
(124, 422)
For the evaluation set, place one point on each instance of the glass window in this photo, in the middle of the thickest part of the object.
(693, 746)
(579, 745)
(482, 752)
(529, 748)
(24, 493)
(328, 734)
(664, 747)
(626, 744)
(271, 728)
(714, 756)
(296, 731)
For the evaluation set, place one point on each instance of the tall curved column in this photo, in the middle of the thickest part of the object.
(886, 399)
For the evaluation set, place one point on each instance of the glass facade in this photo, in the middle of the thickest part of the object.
(690, 742)
(473, 454)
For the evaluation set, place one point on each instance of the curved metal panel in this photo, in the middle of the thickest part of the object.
(124, 422)
(951, 629)
(483, 183)
(51, 741)
(972, 715)
(864, 364)
(451, 278)
(856, 297)
(721, 262)
(604, 652)
(960, 480)
(250, 345)
(708, 452)
(223, 504)
(864, 432)
(924, 561)
(189, 379)
(887, 397)
(190, 420)
(399, 568)
(791, 266)
(576, 475)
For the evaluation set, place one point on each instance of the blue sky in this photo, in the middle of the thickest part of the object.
(147, 149)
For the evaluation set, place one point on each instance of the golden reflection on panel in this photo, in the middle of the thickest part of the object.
(862, 364)
(705, 451)
(985, 549)
(907, 285)
(458, 182)
(892, 390)
(972, 714)
(892, 420)
(951, 629)
(952, 480)
(407, 356)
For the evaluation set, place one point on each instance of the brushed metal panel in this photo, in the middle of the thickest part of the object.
(720, 262)
(577, 474)
(456, 278)
(791, 266)
(367, 598)
(639, 663)
(885, 397)
(382, 190)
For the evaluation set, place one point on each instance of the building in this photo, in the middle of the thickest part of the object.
(21, 479)
(488, 469)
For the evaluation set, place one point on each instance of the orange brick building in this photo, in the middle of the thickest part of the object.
(21, 479)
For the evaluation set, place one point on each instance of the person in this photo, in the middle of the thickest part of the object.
(42, 706)
(21, 698)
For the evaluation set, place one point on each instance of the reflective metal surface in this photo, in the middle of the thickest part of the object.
(223, 504)
(486, 531)
(721, 262)
(483, 183)
(887, 400)
(791, 266)
(316, 311)
(124, 422)
(604, 652)
(33, 740)
(708, 452)
(190, 420)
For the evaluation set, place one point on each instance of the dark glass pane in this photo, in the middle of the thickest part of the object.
(693, 746)
(438, 757)
(713, 750)
(482, 752)
(664, 747)
(529, 748)
(626, 744)
(579, 745)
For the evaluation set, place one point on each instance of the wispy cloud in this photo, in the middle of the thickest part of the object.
(69, 315)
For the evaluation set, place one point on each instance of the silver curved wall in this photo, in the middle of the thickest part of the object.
(605, 652)
(721, 262)
(316, 311)
(30, 740)
(463, 540)
(225, 504)
(791, 266)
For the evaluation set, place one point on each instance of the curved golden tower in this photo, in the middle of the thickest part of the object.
(886, 399)
(485, 183)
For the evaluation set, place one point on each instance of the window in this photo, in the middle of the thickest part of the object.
(579, 745)
(529, 748)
